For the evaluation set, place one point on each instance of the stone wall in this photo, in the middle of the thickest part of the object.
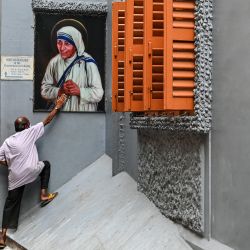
(170, 175)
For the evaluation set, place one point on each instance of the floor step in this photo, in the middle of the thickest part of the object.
(13, 245)
(96, 211)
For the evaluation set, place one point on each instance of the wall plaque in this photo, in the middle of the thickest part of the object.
(17, 67)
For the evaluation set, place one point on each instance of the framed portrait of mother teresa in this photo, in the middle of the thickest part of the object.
(69, 59)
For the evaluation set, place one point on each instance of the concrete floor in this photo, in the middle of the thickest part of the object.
(96, 211)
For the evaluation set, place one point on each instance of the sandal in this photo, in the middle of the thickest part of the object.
(2, 245)
(2, 241)
(51, 197)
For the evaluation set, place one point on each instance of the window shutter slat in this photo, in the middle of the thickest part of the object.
(179, 58)
(184, 5)
(118, 56)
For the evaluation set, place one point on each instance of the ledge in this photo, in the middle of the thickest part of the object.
(199, 243)
(90, 8)
(13, 244)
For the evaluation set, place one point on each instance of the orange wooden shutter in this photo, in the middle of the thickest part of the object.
(154, 51)
(153, 55)
(134, 57)
(118, 54)
(179, 65)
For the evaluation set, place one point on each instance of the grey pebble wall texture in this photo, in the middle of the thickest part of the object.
(170, 175)
(90, 8)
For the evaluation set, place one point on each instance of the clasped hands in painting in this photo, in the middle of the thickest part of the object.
(69, 88)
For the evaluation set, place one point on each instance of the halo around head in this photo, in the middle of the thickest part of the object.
(69, 22)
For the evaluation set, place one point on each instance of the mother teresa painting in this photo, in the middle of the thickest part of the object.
(72, 71)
